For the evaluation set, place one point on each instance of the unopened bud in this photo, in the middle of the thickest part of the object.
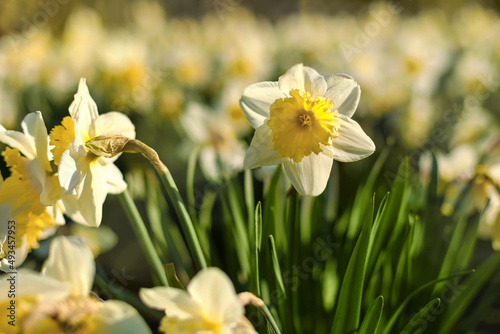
(107, 145)
(248, 298)
(110, 145)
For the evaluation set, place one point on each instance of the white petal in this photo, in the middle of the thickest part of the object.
(303, 78)
(244, 330)
(34, 126)
(209, 164)
(83, 100)
(112, 123)
(93, 194)
(257, 99)
(175, 302)
(213, 289)
(20, 255)
(69, 204)
(19, 140)
(118, 317)
(56, 212)
(261, 151)
(194, 121)
(70, 260)
(51, 189)
(72, 169)
(352, 143)
(310, 175)
(114, 179)
(31, 283)
(494, 172)
(344, 92)
(83, 111)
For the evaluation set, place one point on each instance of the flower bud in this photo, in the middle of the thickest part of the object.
(107, 145)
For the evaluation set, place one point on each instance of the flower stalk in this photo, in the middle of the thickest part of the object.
(110, 146)
(141, 232)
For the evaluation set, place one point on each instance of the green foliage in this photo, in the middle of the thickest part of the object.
(385, 264)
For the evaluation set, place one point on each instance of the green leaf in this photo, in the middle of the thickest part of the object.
(453, 247)
(376, 223)
(143, 237)
(466, 249)
(393, 216)
(249, 196)
(191, 169)
(395, 315)
(154, 210)
(463, 294)
(330, 283)
(185, 220)
(257, 246)
(432, 199)
(241, 242)
(172, 278)
(306, 221)
(372, 317)
(364, 196)
(258, 226)
(165, 231)
(348, 309)
(488, 296)
(276, 265)
(420, 321)
(272, 197)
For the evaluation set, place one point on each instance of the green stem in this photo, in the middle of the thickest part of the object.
(136, 146)
(270, 318)
(294, 249)
(191, 200)
(141, 232)
(249, 198)
(185, 220)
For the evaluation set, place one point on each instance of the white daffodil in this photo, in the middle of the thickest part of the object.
(303, 121)
(31, 196)
(209, 306)
(59, 298)
(221, 152)
(82, 172)
(33, 143)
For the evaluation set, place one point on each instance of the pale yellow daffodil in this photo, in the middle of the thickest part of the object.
(210, 305)
(303, 121)
(31, 196)
(81, 172)
(59, 298)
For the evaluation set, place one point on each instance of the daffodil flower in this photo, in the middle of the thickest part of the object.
(59, 298)
(221, 152)
(31, 195)
(33, 144)
(303, 121)
(82, 172)
(210, 305)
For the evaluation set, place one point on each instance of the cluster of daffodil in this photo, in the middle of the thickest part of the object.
(303, 122)
(169, 68)
(55, 174)
(297, 123)
(59, 299)
(378, 264)
(70, 172)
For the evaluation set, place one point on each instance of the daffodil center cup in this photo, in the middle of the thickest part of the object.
(300, 124)
(305, 119)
